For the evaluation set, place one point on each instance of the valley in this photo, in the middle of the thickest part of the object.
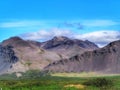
(59, 64)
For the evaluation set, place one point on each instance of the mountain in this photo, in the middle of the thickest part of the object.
(37, 55)
(102, 60)
(30, 54)
(67, 47)
(60, 54)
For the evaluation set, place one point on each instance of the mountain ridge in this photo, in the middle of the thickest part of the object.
(60, 54)
(104, 60)
(68, 47)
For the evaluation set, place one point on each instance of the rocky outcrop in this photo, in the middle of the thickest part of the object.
(104, 60)
(8, 54)
(7, 58)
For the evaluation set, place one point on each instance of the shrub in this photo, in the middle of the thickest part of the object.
(99, 82)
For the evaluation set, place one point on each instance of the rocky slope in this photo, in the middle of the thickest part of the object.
(67, 47)
(7, 58)
(103, 60)
(37, 55)
(30, 55)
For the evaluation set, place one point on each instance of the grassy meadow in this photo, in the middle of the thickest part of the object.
(33, 80)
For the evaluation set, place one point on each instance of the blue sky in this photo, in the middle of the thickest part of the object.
(42, 19)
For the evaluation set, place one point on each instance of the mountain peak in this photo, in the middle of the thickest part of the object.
(15, 42)
(62, 41)
(15, 38)
(60, 38)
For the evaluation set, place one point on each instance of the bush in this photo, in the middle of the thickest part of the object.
(99, 82)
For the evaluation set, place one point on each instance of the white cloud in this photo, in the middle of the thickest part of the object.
(101, 38)
(45, 35)
(24, 23)
(79, 24)
(96, 23)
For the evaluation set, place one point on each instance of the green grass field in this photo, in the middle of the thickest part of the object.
(32, 81)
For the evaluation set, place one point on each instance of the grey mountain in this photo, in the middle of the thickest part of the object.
(67, 47)
(102, 60)
(22, 55)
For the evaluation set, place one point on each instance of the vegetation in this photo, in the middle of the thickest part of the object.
(102, 83)
(28, 63)
(35, 80)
